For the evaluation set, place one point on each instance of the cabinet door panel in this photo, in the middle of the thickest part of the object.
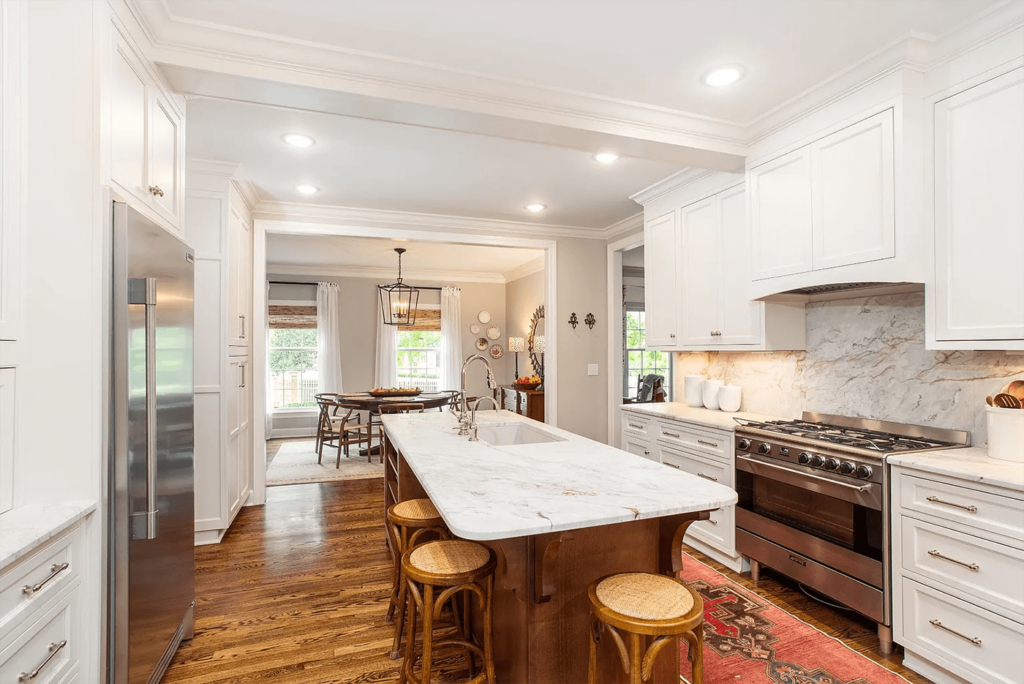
(639, 449)
(7, 437)
(701, 274)
(740, 318)
(979, 215)
(780, 215)
(854, 195)
(129, 101)
(660, 284)
(164, 141)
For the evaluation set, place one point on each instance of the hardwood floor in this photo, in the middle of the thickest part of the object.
(296, 593)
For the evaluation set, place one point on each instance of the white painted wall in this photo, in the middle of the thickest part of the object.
(522, 297)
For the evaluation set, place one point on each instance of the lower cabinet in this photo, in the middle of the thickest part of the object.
(529, 403)
(719, 531)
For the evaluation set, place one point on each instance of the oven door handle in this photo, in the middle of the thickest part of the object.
(867, 494)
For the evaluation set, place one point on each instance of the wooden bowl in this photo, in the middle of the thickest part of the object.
(400, 393)
(526, 385)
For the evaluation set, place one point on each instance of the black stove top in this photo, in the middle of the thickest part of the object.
(857, 438)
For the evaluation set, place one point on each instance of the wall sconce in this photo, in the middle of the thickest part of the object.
(590, 320)
(573, 321)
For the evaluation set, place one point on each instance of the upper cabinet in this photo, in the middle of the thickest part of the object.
(780, 215)
(660, 285)
(146, 136)
(977, 289)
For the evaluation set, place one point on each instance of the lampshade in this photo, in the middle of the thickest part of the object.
(516, 344)
(539, 344)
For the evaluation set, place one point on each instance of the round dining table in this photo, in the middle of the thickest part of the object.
(364, 401)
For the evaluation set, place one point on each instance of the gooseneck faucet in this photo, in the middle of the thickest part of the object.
(463, 409)
(472, 420)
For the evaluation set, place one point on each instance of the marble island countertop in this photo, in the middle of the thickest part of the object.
(677, 410)
(486, 492)
(27, 527)
(972, 464)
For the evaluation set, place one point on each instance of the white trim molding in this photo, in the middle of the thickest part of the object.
(384, 273)
(529, 268)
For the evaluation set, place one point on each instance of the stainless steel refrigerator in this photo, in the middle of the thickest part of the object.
(151, 563)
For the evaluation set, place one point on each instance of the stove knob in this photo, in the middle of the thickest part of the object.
(764, 448)
(803, 458)
(863, 472)
(744, 444)
(831, 464)
(816, 461)
(847, 468)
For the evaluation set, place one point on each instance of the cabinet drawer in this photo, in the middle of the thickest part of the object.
(975, 566)
(49, 645)
(714, 444)
(698, 465)
(998, 514)
(719, 529)
(36, 579)
(970, 637)
(636, 426)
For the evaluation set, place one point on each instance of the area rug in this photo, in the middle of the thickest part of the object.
(295, 463)
(748, 639)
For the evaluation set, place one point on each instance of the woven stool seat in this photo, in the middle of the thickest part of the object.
(416, 509)
(449, 557)
(645, 596)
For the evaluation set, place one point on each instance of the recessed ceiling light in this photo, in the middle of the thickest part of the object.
(723, 76)
(297, 139)
(606, 157)
(536, 207)
(307, 189)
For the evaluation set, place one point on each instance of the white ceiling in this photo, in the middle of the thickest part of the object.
(381, 165)
(422, 260)
(642, 51)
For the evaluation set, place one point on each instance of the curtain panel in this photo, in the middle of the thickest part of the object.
(328, 337)
(451, 338)
(386, 365)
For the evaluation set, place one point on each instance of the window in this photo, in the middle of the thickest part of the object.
(641, 361)
(419, 359)
(293, 379)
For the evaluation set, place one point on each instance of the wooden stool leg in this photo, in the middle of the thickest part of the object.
(402, 599)
(636, 658)
(595, 637)
(697, 655)
(467, 628)
(428, 629)
(488, 631)
(410, 653)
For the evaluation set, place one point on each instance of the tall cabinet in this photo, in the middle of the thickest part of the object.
(218, 224)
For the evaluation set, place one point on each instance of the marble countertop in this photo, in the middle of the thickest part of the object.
(972, 464)
(676, 410)
(485, 492)
(27, 527)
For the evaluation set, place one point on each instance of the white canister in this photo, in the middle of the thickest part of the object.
(711, 394)
(1005, 433)
(729, 398)
(694, 391)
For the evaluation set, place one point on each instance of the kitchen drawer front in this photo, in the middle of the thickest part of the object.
(998, 514)
(697, 464)
(636, 426)
(45, 573)
(709, 443)
(719, 530)
(983, 643)
(49, 645)
(983, 569)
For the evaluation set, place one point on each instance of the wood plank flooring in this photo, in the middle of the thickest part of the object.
(297, 591)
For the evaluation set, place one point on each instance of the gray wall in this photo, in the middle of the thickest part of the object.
(522, 297)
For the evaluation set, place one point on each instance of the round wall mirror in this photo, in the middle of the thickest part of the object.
(536, 343)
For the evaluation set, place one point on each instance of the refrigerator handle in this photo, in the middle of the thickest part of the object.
(143, 291)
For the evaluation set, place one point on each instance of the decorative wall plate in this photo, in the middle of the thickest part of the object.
(484, 317)
(496, 351)
(493, 332)
(475, 329)
(481, 343)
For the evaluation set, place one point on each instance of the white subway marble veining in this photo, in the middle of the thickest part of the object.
(26, 528)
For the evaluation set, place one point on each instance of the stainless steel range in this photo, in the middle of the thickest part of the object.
(814, 503)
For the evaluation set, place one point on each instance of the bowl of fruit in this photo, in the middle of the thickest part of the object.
(396, 392)
(531, 382)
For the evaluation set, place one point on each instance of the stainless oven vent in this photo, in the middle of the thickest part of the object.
(840, 287)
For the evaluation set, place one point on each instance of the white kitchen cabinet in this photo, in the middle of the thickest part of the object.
(12, 141)
(638, 448)
(978, 284)
(240, 282)
(701, 272)
(661, 248)
(781, 224)
(164, 162)
(8, 434)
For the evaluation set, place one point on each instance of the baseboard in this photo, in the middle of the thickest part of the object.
(209, 537)
(286, 433)
(927, 669)
(736, 564)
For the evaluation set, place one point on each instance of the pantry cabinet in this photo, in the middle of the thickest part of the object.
(239, 282)
(978, 281)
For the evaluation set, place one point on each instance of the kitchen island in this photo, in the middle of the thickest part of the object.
(560, 511)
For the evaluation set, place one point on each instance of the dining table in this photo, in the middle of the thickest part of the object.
(364, 401)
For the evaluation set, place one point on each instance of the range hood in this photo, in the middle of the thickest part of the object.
(820, 293)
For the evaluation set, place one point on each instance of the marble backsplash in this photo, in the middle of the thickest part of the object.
(865, 357)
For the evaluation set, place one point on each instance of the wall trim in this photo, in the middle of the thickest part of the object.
(529, 268)
(285, 433)
(625, 225)
(384, 273)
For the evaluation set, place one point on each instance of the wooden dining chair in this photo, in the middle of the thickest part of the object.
(397, 407)
(341, 427)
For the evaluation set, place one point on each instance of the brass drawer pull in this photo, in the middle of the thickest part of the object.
(969, 566)
(155, 190)
(974, 640)
(54, 648)
(708, 477)
(710, 444)
(670, 434)
(671, 465)
(647, 452)
(713, 522)
(935, 499)
(634, 425)
(55, 570)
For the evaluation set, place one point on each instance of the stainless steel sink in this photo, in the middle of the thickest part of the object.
(511, 434)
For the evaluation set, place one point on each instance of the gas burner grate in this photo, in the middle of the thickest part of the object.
(833, 434)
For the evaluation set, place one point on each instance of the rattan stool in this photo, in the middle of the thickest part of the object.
(454, 566)
(409, 522)
(646, 605)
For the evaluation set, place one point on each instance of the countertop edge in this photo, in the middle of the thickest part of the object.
(32, 525)
(969, 465)
(697, 416)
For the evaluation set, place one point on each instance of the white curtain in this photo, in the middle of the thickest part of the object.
(451, 338)
(386, 366)
(328, 337)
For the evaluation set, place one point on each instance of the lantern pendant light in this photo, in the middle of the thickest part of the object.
(398, 301)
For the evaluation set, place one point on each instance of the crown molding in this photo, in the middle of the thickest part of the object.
(663, 187)
(383, 273)
(624, 226)
(211, 167)
(529, 268)
(248, 192)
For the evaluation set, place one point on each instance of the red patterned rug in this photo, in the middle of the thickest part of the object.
(748, 639)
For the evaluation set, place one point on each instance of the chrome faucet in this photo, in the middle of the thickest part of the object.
(463, 409)
(472, 421)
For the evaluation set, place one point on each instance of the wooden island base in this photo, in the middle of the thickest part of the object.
(541, 609)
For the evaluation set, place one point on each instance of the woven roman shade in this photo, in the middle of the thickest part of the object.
(426, 319)
(292, 317)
